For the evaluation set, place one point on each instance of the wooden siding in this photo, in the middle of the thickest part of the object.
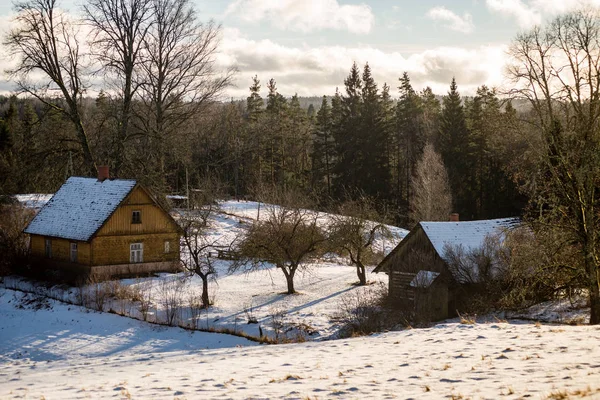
(61, 250)
(154, 218)
(104, 272)
(415, 254)
(114, 250)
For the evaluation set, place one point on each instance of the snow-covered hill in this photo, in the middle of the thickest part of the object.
(64, 352)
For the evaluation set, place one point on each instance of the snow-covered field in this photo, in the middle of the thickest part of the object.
(65, 352)
(53, 350)
(259, 295)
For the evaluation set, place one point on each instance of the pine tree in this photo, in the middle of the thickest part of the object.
(373, 174)
(254, 103)
(323, 147)
(456, 148)
(349, 155)
(409, 139)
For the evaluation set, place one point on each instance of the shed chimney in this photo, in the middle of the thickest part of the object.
(102, 173)
(454, 217)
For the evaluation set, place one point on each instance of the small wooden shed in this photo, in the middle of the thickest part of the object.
(104, 228)
(420, 280)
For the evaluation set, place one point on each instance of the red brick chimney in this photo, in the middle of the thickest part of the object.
(454, 217)
(102, 173)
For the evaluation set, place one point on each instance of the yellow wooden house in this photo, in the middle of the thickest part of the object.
(104, 228)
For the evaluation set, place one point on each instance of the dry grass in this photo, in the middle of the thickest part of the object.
(468, 319)
(577, 393)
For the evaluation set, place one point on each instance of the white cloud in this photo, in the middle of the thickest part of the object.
(305, 15)
(525, 15)
(319, 70)
(529, 14)
(453, 21)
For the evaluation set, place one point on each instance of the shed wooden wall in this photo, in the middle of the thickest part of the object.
(415, 254)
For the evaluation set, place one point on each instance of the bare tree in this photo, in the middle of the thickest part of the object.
(354, 231)
(557, 68)
(120, 28)
(288, 237)
(432, 198)
(196, 257)
(178, 74)
(45, 41)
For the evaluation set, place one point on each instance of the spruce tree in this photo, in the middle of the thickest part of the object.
(323, 148)
(347, 135)
(373, 173)
(409, 140)
(254, 103)
(456, 148)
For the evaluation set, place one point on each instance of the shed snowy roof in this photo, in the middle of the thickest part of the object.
(468, 234)
(79, 208)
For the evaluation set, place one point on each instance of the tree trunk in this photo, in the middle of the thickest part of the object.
(289, 277)
(361, 273)
(593, 275)
(88, 159)
(205, 301)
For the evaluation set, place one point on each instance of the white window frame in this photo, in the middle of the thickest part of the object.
(48, 248)
(136, 252)
(73, 252)
(167, 246)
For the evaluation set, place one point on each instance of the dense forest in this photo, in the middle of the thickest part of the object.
(158, 118)
(359, 142)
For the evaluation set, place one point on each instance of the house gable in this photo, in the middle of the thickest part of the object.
(153, 219)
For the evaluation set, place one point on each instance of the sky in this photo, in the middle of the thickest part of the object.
(308, 46)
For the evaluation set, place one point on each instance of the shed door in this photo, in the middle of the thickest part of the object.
(136, 252)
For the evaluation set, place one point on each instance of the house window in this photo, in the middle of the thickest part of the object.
(136, 252)
(167, 246)
(48, 248)
(136, 217)
(74, 252)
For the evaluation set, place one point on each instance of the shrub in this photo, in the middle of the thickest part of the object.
(14, 244)
(364, 311)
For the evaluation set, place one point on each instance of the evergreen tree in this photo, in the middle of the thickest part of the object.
(456, 148)
(373, 174)
(254, 102)
(323, 147)
(349, 154)
(409, 140)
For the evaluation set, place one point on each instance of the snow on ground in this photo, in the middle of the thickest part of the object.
(33, 200)
(563, 311)
(40, 329)
(249, 210)
(64, 352)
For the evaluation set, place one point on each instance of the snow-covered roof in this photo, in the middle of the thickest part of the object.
(468, 234)
(424, 279)
(79, 208)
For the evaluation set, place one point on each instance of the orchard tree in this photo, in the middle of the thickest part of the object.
(288, 237)
(354, 230)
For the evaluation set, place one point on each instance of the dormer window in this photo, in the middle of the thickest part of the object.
(136, 217)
